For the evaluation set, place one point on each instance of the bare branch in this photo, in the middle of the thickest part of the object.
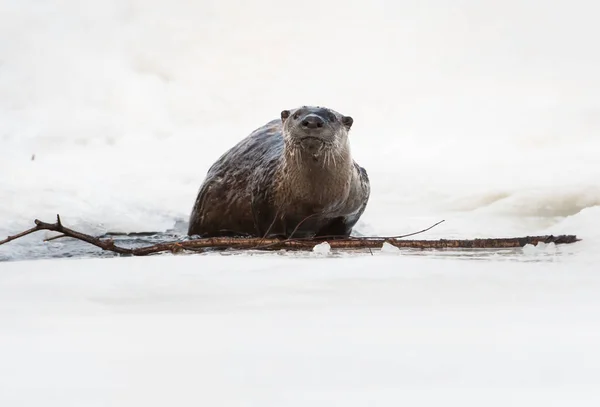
(18, 235)
(107, 244)
(239, 243)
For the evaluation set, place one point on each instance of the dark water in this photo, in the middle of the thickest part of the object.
(33, 247)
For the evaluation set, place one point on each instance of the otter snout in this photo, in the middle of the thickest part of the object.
(312, 121)
(321, 124)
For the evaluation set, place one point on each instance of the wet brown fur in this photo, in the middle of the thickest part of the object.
(275, 182)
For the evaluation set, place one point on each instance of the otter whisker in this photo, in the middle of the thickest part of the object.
(332, 154)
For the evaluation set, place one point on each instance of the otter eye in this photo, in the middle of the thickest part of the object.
(295, 116)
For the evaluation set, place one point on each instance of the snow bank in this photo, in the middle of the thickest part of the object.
(482, 113)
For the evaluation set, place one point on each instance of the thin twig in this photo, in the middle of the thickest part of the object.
(54, 238)
(271, 225)
(416, 233)
(301, 222)
(260, 244)
(18, 235)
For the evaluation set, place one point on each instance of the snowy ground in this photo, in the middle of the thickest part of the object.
(482, 113)
(273, 331)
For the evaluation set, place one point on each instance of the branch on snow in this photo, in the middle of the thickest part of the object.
(239, 243)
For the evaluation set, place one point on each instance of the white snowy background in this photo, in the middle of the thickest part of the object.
(482, 113)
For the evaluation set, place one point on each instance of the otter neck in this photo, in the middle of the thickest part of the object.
(322, 180)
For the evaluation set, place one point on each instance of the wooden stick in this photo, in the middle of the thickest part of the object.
(239, 243)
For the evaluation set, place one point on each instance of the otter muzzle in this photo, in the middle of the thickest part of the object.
(312, 145)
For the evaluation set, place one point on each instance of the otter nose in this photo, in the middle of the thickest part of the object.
(312, 122)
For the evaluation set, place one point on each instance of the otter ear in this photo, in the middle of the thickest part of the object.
(347, 121)
(285, 114)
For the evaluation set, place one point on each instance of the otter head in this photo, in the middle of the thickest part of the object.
(315, 130)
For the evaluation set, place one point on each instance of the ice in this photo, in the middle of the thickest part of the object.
(322, 248)
(389, 248)
(540, 249)
(484, 114)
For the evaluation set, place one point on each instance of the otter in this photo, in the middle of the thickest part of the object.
(294, 177)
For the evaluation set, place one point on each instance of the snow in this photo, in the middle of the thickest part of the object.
(276, 330)
(485, 114)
